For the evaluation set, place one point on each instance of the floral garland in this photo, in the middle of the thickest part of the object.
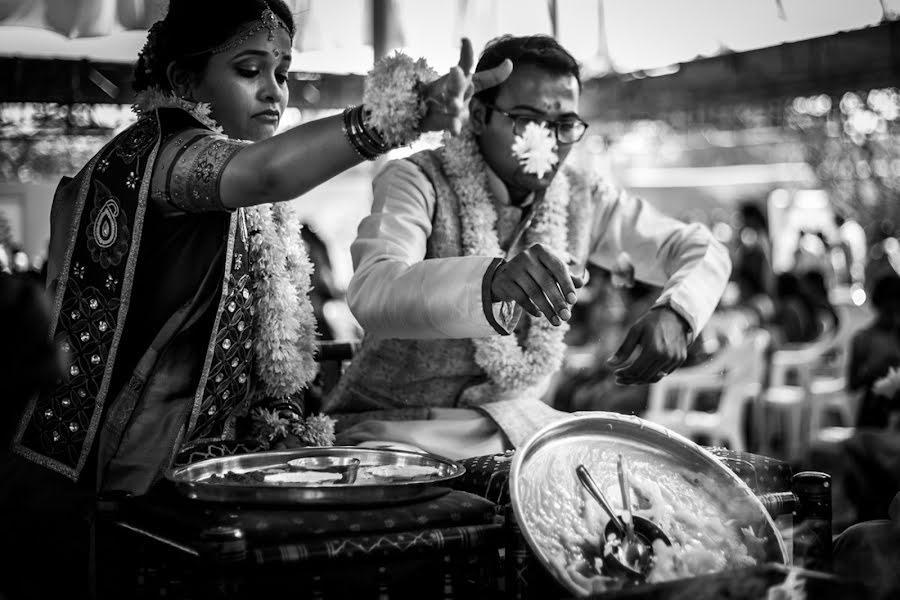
(273, 428)
(393, 97)
(284, 327)
(152, 98)
(510, 366)
(284, 324)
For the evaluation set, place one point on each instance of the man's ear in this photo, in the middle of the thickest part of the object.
(181, 81)
(478, 113)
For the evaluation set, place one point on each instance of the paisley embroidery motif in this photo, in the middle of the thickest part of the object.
(106, 229)
(108, 232)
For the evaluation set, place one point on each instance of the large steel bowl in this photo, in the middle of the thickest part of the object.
(544, 458)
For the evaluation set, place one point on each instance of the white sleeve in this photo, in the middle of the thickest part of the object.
(685, 259)
(395, 292)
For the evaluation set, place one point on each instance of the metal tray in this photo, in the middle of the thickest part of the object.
(192, 480)
(560, 440)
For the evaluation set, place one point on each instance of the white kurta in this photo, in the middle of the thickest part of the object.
(395, 293)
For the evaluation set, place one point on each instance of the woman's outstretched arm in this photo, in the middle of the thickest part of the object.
(289, 165)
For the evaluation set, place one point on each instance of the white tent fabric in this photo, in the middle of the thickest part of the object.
(335, 36)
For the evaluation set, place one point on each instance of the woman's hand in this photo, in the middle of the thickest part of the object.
(448, 96)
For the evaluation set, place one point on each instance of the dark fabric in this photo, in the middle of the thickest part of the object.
(869, 552)
(148, 393)
(369, 547)
(872, 472)
(187, 521)
(433, 548)
(45, 527)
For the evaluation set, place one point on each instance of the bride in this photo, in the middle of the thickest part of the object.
(176, 266)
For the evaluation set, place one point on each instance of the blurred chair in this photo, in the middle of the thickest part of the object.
(734, 377)
(806, 383)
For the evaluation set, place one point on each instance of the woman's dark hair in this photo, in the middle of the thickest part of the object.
(190, 28)
(538, 50)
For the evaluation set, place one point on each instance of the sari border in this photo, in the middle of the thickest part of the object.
(122, 316)
(17, 446)
(210, 348)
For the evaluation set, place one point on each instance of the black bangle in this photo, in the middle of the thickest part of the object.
(369, 137)
(353, 137)
(363, 136)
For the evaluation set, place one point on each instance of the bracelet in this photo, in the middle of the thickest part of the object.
(368, 136)
(351, 139)
(364, 140)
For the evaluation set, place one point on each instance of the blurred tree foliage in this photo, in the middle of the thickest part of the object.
(854, 146)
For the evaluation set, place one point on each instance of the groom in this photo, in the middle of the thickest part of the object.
(463, 239)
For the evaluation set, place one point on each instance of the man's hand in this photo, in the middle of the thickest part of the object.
(655, 346)
(448, 97)
(540, 282)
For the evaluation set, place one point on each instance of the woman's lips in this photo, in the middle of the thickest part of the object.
(268, 116)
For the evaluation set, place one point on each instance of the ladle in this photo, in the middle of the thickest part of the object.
(637, 551)
(617, 560)
(591, 486)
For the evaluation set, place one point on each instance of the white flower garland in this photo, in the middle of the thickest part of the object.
(510, 367)
(152, 98)
(393, 99)
(285, 327)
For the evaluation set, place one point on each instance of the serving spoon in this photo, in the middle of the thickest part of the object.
(623, 559)
(637, 551)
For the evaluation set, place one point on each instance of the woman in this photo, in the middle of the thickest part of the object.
(180, 289)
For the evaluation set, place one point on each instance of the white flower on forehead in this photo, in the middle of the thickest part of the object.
(536, 149)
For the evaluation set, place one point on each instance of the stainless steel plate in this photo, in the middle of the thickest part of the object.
(545, 461)
(193, 480)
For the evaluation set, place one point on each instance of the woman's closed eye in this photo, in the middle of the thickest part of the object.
(247, 72)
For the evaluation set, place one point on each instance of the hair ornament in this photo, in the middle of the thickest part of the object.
(268, 20)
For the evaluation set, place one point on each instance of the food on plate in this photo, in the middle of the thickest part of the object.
(325, 475)
(400, 471)
(303, 477)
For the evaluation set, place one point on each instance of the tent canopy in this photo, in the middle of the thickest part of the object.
(337, 36)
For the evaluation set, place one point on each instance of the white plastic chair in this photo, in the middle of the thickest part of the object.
(806, 382)
(735, 376)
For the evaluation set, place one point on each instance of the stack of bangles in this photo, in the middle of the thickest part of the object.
(365, 140)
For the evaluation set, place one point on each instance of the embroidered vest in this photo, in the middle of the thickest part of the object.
(101, 245)
(403, 378)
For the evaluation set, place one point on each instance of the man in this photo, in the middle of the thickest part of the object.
(462, 240)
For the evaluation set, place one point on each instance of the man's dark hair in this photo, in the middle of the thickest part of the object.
(538, 50)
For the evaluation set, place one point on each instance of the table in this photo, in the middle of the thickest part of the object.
(163, 545)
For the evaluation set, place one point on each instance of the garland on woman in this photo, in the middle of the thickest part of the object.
(284, 326)
(510, 366)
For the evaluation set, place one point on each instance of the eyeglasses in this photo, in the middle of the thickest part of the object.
(568, 131)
